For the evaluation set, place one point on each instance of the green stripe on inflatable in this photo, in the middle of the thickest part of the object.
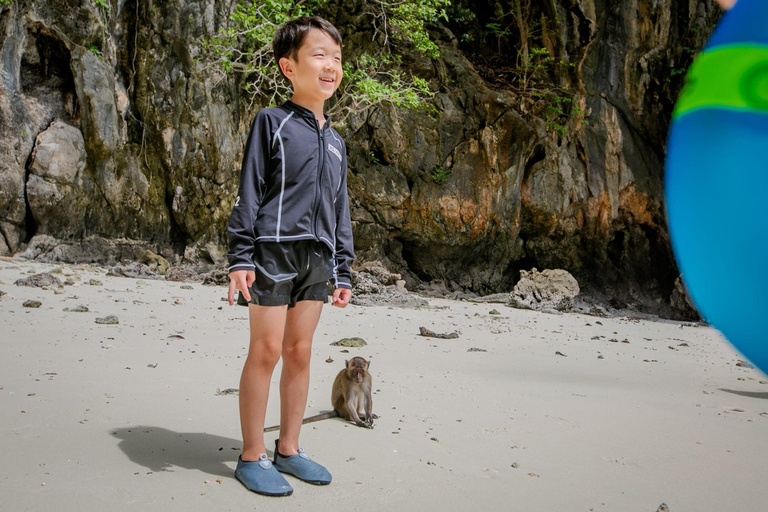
(731, 77)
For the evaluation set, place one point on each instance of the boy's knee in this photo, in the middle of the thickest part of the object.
(297, 353)
(267, 354)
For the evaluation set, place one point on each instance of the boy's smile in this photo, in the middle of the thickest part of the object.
(315, 72)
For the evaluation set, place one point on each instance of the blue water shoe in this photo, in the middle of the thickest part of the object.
(302, 467)
(261, 477)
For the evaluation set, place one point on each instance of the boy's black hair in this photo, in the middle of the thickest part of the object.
(290, 36)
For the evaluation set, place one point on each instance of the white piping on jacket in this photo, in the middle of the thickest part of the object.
(282, 180)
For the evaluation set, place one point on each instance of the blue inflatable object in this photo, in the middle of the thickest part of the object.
(716, 180)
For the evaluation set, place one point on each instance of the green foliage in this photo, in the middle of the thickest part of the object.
(458, 13)
(245, 46)
(440, 174)
(95, 50)
(372, 82)
(103, 4)
(560, 112)
(673, 72)
(372, 158)
(497, 31)
(409, 17)
(690, 42)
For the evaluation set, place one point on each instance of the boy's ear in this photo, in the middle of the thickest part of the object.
(286, 66)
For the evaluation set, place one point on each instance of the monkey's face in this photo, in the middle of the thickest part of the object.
(357, 368)
(356, 374)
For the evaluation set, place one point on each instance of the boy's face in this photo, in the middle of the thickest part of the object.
(316, 72)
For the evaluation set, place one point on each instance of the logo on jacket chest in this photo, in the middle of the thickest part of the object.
(335, 151)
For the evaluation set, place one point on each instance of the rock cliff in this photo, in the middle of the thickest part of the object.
(115, 137)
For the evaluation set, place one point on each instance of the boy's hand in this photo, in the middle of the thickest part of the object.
(341, 297)
(240, 280)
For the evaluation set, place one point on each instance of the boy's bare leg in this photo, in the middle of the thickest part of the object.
(267, 325)
(300, 327)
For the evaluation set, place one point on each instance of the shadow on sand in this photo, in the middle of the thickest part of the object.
(750, 394)
(160, 449)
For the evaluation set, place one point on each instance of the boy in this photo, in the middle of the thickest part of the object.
(289, 233)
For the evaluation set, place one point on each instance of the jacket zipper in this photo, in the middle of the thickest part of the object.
(318, 190)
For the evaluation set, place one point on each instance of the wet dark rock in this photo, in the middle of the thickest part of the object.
(544, 291)
(39, 280)
(423, 331)
(32, 304)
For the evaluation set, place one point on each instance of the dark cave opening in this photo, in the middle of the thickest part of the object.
(409, 255)
(46, 75)
(616, 249)
(512, 273)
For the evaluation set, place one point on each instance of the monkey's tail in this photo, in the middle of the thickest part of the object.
(311, 419)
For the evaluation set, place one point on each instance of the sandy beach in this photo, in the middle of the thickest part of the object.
(552, 413)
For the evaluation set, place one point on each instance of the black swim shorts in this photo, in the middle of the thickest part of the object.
(288, 272)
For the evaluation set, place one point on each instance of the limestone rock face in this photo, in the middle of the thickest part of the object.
(469, 195)
(547, 290)
(56, 193)
(682, 302)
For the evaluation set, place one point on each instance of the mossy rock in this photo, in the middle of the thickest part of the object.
(350, 342)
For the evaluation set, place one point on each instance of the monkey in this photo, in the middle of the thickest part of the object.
(350, 395)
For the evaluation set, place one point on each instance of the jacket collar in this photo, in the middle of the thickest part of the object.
(305, 112)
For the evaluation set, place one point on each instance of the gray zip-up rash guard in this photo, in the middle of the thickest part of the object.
(293, 186)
